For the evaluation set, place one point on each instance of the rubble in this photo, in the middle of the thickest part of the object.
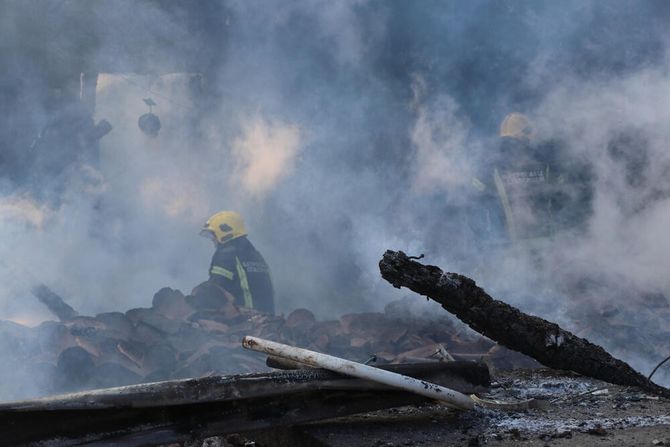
(198, 338)
(186, 336)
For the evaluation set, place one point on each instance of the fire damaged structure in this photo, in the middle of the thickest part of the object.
(176, 339)
(522, 144)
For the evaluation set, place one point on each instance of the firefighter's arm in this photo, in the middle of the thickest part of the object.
(217, 272)
(222, 268)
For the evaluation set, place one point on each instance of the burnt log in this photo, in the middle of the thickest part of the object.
(54, 302)
(543, 340)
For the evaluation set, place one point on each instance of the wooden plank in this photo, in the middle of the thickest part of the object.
(173, 411)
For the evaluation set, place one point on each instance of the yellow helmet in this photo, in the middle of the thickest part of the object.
(224, 226)
(516, 125)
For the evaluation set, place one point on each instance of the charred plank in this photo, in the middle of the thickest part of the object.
(177, 410)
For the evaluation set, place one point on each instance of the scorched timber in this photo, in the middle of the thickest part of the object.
(545, 341)
(54, 302)
(174, 411)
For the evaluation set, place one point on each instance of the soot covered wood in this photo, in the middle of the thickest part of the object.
(543, 340)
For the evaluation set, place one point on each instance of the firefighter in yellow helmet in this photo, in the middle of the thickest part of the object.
(236, 265)
(516, 185)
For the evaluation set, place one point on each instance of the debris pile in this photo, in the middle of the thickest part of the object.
(179, 410)
(194, 336)
(203, 334)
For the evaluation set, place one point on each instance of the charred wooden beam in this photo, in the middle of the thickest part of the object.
(175, 411)
(545, 341)
(54, 302)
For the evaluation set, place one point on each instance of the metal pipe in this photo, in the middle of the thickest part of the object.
(354, 369)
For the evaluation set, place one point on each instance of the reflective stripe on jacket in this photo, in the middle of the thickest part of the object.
(239, 268)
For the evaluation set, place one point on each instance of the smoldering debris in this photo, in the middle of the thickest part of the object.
(260, 405)
(173, 411)
(196, 335)
(243, 112)
(545, 341)
(621, 416)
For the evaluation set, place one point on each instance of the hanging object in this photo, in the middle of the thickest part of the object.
(149, 123)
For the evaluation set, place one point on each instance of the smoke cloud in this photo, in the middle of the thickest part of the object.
(264, 154)
(440, 141)
(338, 130)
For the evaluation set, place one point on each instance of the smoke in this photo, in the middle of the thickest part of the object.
(339, 130)
(619, 126)
(264, 155)
(439, 140)
(23, 210)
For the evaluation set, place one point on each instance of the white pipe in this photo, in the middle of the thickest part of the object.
(349, 368)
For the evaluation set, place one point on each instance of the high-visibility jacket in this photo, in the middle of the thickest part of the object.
(240, 269)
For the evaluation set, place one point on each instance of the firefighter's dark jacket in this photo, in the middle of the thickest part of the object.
(531, 190)
(239, 268)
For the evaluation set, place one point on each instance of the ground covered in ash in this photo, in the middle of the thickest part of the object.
(578, 411)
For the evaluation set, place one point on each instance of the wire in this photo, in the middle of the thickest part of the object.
(658, 366)
(155, 93)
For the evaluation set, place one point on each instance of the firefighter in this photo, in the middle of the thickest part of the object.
(530, 189)
(516, 186)
(237, 266)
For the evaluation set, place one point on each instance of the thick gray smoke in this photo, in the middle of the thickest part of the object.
(339, 130)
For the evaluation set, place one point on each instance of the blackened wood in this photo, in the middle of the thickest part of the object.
(166, 425)
(543, 340)
(54, 303)
(466, 377)
(173, 411)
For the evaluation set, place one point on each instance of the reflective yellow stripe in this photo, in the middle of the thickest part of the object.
(478, 184)
(216, 270)
(244, 283)
(504, 200)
